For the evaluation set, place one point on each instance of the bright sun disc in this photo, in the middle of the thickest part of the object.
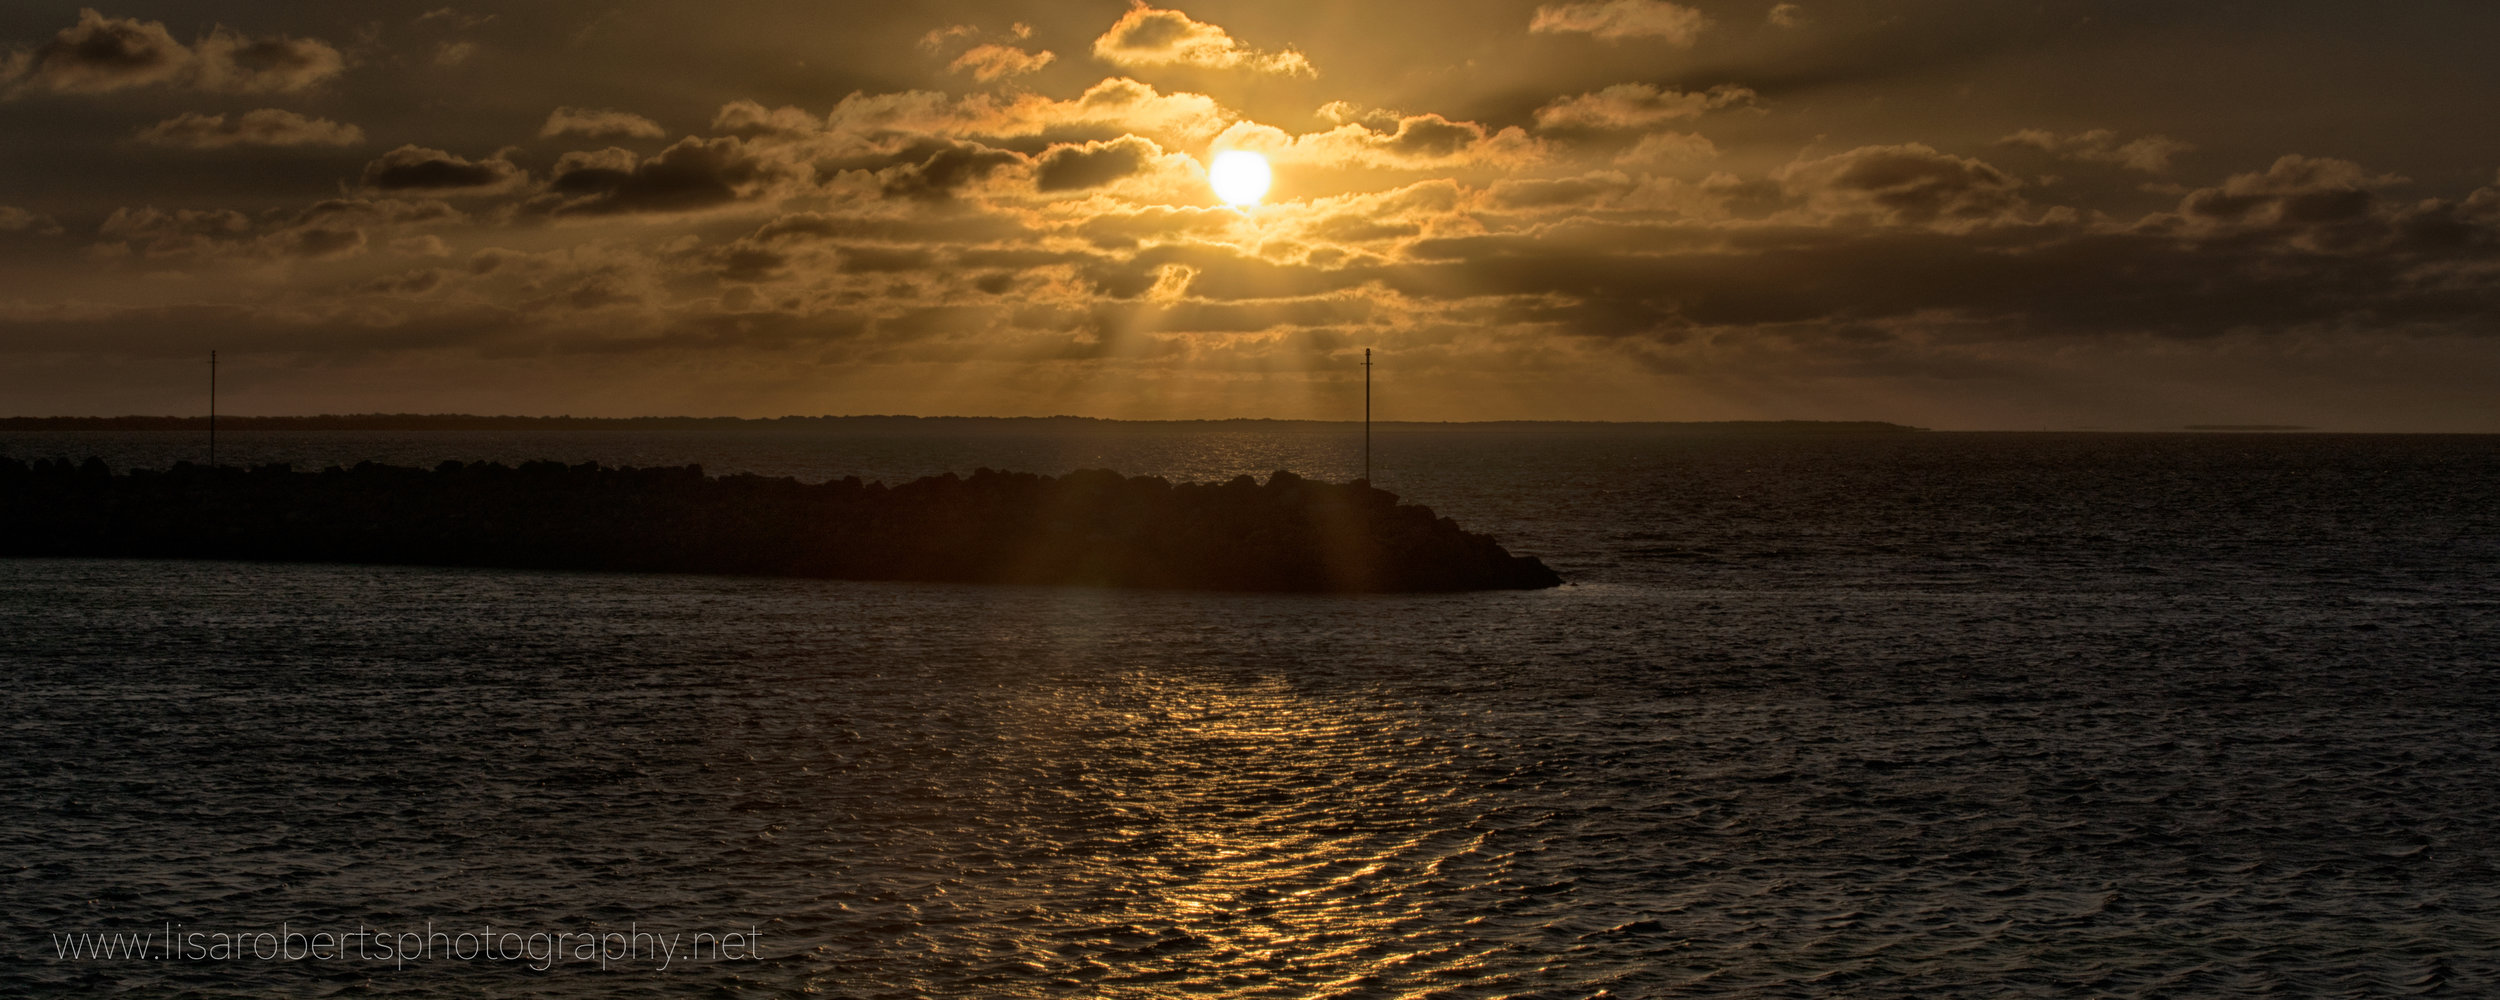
(1239, 176)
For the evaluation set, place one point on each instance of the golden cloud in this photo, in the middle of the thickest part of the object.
(1147, 36)
(1616, 20)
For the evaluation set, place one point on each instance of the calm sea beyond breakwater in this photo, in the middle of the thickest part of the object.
(1876, 715)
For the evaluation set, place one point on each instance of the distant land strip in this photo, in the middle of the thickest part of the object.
(469, 422)
(2247, 427)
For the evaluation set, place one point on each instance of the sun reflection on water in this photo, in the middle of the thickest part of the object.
(1154, 831)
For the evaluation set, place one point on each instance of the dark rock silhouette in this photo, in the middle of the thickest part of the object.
(1091, 527)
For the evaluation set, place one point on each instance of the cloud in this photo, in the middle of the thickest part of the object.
(600, 123)
(1426, 141)
(232, 63)
(1533, 194)
(1093, 164)
(102, 54)
(2328, 206)
(939, 38)
(18, 220)
(2150, 154)
(879, 123)
(1150, 36)
(1616, 20)
(1668, 149)
(1628, 106)
(415, 168)
(1885, 246)
(993, 62)
(2296, 189)
(450, 54)
(1787, 15)
(936, 172)
(330, 230)
(1910, 184)
(264, 127)
(181, 232)
(693, 175)
(1067, 234)
(748, 119)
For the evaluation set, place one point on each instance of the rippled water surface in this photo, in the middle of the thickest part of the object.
(1928, 715)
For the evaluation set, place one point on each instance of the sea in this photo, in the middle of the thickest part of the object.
(1817, 715)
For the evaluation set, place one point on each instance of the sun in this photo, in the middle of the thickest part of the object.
(1239, 176)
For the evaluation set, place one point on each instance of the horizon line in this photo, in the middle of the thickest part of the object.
(372, 417)
(456, 421)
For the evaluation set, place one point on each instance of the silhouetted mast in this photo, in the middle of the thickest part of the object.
(1367, 414)
(212, 409)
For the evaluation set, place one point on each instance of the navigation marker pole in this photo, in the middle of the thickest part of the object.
(1367, 415)
(212, 409)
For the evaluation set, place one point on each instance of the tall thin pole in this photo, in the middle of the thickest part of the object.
(1367, 414)
(212, 409)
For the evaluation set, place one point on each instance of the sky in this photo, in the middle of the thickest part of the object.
(1959, 214)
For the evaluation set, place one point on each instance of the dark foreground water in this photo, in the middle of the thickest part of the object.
(1938, 715)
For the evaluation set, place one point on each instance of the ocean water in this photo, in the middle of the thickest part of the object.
(1846, 715)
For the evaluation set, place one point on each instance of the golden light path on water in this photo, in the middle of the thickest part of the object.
(1196, 832)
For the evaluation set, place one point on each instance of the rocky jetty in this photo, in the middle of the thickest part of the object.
(1089, 528)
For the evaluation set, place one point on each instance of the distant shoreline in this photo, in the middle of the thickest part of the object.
(469, 422)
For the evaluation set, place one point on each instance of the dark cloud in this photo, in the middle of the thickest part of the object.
(318, 242)
(100, 54)
(693, 175)
(935, 171)
(1431, 136)
(1093, 164)
(1910, 184)
(265, 127)
(2296, 190)
(2331, 206)
(417, 169)
(2020, 282)
(232, 63)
